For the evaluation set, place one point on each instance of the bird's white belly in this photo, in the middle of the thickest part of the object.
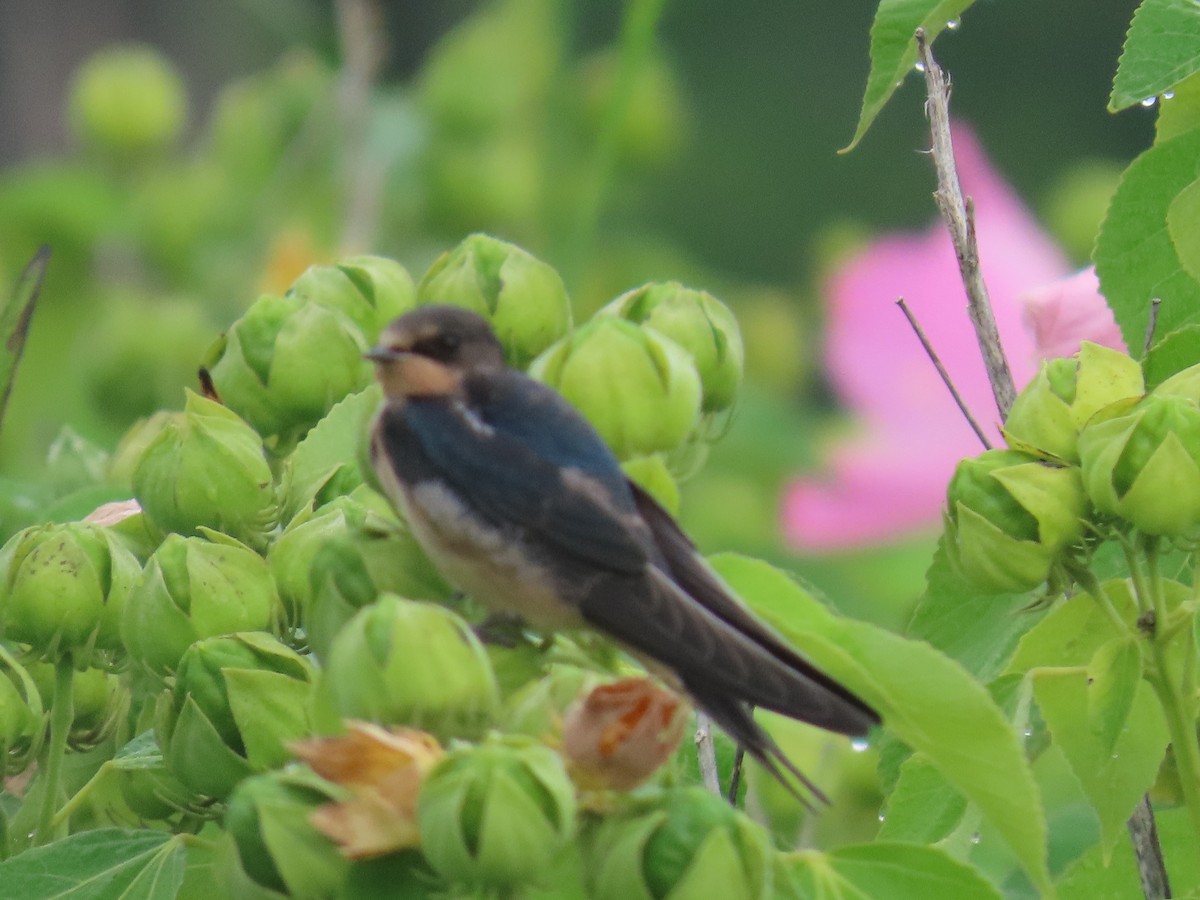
(482, 561)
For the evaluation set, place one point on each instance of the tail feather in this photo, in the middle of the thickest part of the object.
(737, 720)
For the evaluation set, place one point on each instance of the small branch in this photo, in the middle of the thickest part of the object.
(959, 215)
(15, 315)
(735, 780)
(1152, 871)
(1152, 324)
(706, 753)
(360, 29)
(941, 370)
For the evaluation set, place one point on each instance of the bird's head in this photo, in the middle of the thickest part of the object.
(428, 351)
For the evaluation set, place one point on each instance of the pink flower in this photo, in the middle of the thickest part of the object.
(887, 478)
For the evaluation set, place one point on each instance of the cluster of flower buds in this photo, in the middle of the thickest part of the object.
(1090, 450)
(257, 600)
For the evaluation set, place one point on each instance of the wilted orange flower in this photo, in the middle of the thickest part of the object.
(618, 734)
(383, 770)
(114, 512)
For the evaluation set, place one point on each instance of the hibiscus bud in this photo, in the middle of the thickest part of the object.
(62, 588)
(1048, 414)
(700, 324)
(286, 362)
(382, 771)
(205, 468)
(371, 552)
(127, 101)
(237, 700)
(194, 588)
(496, 813)
(369, 290)
(407, 663)
(537, 709)
(98, 701)
(1009, 516)
(277, 846)
(1142, 463)
(523, 297)
(617, 735)
(686, 844)
(653, 475)
(637, 387)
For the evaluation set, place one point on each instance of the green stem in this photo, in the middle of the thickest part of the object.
(1091, 586)
(1178, 707)
(62, 715)
(67, 809)
(636, 42)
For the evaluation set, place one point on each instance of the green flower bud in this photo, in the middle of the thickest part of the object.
(653, 127)
(62, 588)
(151, 792)
(141, 354)
(236, 703)
(496, 184)
(688, 843)
(257, 119)
(206, 468)
(637, 387)
(399, 662)
(268, 818)
(327, 464)
(286, 362)
(332, 562)
(127, 101)
(369, 290)
(497, 813)
(99, 700)
(537, 709)
(493, 69)
(1142, 463)
(1184, 383)
(194, 588)
(1046, 418)
(697, 321)
(1008, 518)
(523, 298)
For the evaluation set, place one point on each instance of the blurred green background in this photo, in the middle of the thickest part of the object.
(470, 116)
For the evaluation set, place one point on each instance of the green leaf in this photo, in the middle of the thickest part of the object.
(927, 700)
(1074, 630)
(1092, 878)
(142, 752)
(894, 52)
(109, 864)
(1113, 678)
(1161, 49)
(14, 321)
(923, 808)
(884, 869)
(270, 709)
(1115, 778)
(1135, 257)
(977, 630)
(1183, 224)
(1181, 113)
(1174, 353)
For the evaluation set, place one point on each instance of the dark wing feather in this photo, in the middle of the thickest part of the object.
(697, 580)
(506, 482)
(710, 656)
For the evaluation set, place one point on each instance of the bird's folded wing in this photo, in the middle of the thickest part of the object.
(508, 483)
(697, 579)
(653, 616)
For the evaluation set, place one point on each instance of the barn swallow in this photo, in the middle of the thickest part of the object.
(521, 504)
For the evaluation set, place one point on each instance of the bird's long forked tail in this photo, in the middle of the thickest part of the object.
(737, 720)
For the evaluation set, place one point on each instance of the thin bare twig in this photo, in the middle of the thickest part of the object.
(706, 752)
(1152, 871)
(735, 780)
(959, 215)
(941, 370)
(360, 29)
(1152, 324)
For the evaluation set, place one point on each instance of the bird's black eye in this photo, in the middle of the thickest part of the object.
(441, 346)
